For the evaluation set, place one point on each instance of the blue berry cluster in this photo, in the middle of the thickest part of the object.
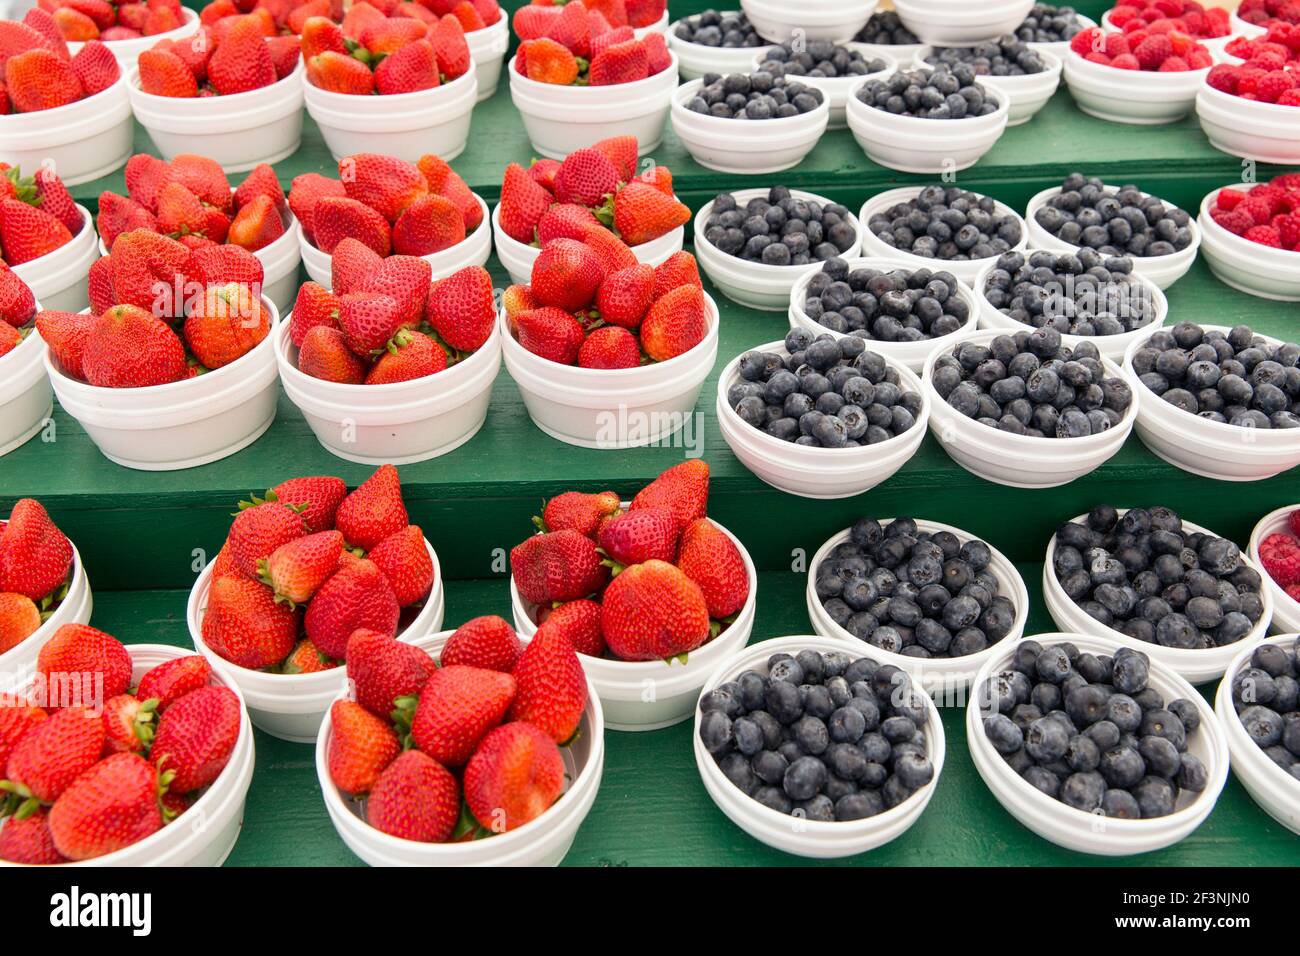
(712, 28)
(886, 29)
(946, 222)
(1005, 56)
(1266, 696)
(943, 93)
(1124, 223)
(754, 96)
(1083, 294)
(819, 58)
(902, 305)
(779, 230)
(1047, 23)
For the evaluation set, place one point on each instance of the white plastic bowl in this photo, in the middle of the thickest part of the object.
(18, 663)
(83, 140)
(911, 354)
(650, 695)
(518, 257)
(405, 125)
(816, 839)
(182, 424)
(1264, 132)
(487, 48)
(818, 472)
(26, 399)
(1112, 94)
(1275, 790)
(898, 52)
(945, 679)
(1194, 666)
(912, 144)
(560, 119)
(1164, 271)
(837, 20)
(612, 408)
(835, 88)
(292, 706)
(1240, 28)
(58, 279)
(1086, 832)
(1111, 346)
(1206, 448)
(747, 147)
(754, 284)
(540, 842)
(1214, 44)
(1026, 94)
(958, 23)
(397, 423)
(204, 834)
(1020, 461)
(965, 270)
(1061, 47)
(126, 52)
(1286, 610)
(1249, 267)
(696, 59)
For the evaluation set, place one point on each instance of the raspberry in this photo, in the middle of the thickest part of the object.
(1183, 44)
(1265, 236)
(1200, 58)
(1235, 221)
(1223, 78)
(1126, 61)
(1267, 60)
(1170, 8)
(1115, 45)
(1163, 26)
(1153, 51)
(1228, 198)
(1288, 227)
(1280, 555)
(1293, 592)
(1084, 41)
(1101, 58)
(1274, 85)
(1257, 209)
(1290, 98)
(1248, 78)
(1175, 64)
(1293, 522)
(1123, 13)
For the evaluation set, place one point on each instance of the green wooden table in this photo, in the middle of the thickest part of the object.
(139, 532)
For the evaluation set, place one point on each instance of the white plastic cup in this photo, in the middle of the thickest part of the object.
(834, 88)
(696, 59)
(292, 706)
(81, 141)
(1249, 267)
(747, 147)
(19, 662)
(26, 398)
(58, 278)
(540, 842)
(1286, 610)
(838, 20)
(1086, 832)
(1026, 93)
(487, 48)
(1264, 132)
(1113, 94)
(126, 52)
(816, 839)
(960, 23)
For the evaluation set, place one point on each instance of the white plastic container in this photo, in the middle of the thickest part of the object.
(958, 23)
(911, 354)
(1026, 94)
(540, 842)
(612, 408)
(18, 663)
(650, 695)
(126, 52)
(816, 839)
(518, 257)
(1240, 28)
(26, 399)
(292, 706)
(182, 424)
(1264, 132)
(748, 147)
(1061, 47)
(1091, 832)
(1111, 94)
(696, 59)
(965, 270)
(83, 140)
(913, 144)
(560, 119)
(397, 423)
(1286, 610)
(898, 52)
(58, 279)
(405, 125)
(1249, 267)
(835, 88)
(1164, 271)
(818, 472)
(1021, 461)
(487, 48)
(754, 284)
(1195, 666)
(1275, 790)
(837, 20)
(1206, 448)
(1111, 346)
(204, 834)
(946, 679)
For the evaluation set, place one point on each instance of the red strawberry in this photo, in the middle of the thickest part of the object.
(626, 295)
(415, 799)
(448, 39)
(324, 354)
(241, 61)
(457, 707)
(514, 777)
(585, 178)
(641, 535)
(622, 152)
(653, 611)
(173, 679)
(360, 746)
(163, 73)
(404, 560)
(523, 203)
(305, 658)
(660, 177)
(487, 642)
(353, 265)
(389, 35)
(179, 211)
(96, 68)
(46, 24)
(610, 347)
(543, 172)
(81, 664)
(369, 320)
(320, 33)
(55, 199)
(258, 530)
(109, 807)
(35, 556)
(430, 224)
(225, 324)
(202, 176)
(296, 569)
(679, 269)
(335, 218)
(531, 21)
(614, 254)
(566, 274)
(643, 213)
(314, 306)
(603, 41)
(462, 309)
(551, 689)
(143, 261)
(222, 265)
(572, 28)
(579, 621)
(550, 333)
(245, 625)
(683, 489)
(359, 16)
(578, 511)
(19, 615)
(40, 80)
(517, 299)
(444, 181)
(54, 753)
(196, 737)
(675, 324)
(128, 723)
(384, 183)
(118, 214)
(28, 840)
(304, 192)
(17, 716)
(567, 221)
(549, 62)
(382, 669)
(356, 596)
(657, 56)
(374, 510)
(406, 279)
(256, 225)
(316, 497)
(29, 233)
(711, 559)
(340, 73)
(411, 355)
(99, 288)
(413, 67)
(621, 63)
(557, 566)
(17, 38)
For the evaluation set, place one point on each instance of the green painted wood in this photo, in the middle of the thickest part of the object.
(652, 808)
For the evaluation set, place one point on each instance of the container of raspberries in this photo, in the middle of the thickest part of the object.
(1256, 703)
(821, 417)
(1211, 26)
(805, 230)
(1026, 76)
(462, 748)
(152, 773)
(1099, 64)
(392, 85)
(833, 68)
(126, 32)
(834, 20)
(26, 399)
(43, 586)
(1218, 402)
(301, 569)
(1025, 410)
(1249, 110)
(1134, 764)
(1255, 246)
(1275, 547)
(713, 41)
(1251, 42)
(816, 751)
(954, 23)
(928, 598)
(651, 592)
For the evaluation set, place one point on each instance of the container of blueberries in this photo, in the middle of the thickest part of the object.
(1218, 402)
(754, 244)
(836, 20)
(1094, 746)
(902, 311)
(927, 121)
(833, 68)
(885, 35)
(713, 41)
(1115, 221)
(1247, 266)
(1286, 609)
(921, 224)
(1026, 76)
(1256, 703)
(817, 751)
(1024, 410)
(1051, 28)
(821, 417)
(749, 123)
(1148, 579)
(927, 597)
(959, 22)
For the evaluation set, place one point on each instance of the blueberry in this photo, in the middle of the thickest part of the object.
(716, 732)
(804, 777)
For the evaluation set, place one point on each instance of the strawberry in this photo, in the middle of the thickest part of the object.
(319, 34)
(40, 80)
(305, 658)
(202, 176)
(339, 73)
(523, 203)
(257, 531)
(196, 737)
(55, 199)
(642, 535)
(585, 178)
(444, 181)
(35, 556)
(195, 53)
(304, 191)
(54, 753)
(9, 338)
(413, 67)
(488, 642)
(173, 679)
(566, 274)
(430, 224)
(543, 172)
(660, 177)
(241, 61)
(335, 218)
(369, 320)
(457, 707)
(17, 716)
(180, 212)
(19, 616)
(550, 687)
(579, 621)
(46, 24)
(17, 303)
(316, 497)
(147, 268)
(389, 35)
(324, 354)
(404, 560)
(245, 625)
(360, 747)
(382, 669)
(296, 569)
(357, 595)
(449, 46)
(95, 68)
(314, 306)
(17, 38)
(679, 269)
(626, 295)
(111, 806)
(359, 16)
(643, 213)
(28, 840)
(28, 233)
(227, 323)
(711, 559)
(384, 183)
(610, 347)
(353, 266)
(622, 151)
(675, 324)
(462, 309)
(572, 29)
(578, 511)
(549, 62)
(163, 73)
(612, 252)
(653, 611)
(119, 214)
(550, 333)
(99, 289)
(256, 225)
(565, 220)
(516, 299)
(374, 510)
(531, 21)
(415, 799)
(657, 56)
(683, 489)
(514, 777)
(128, 723)
(603, 41)
(557, 566)
(411, 355)
(621, 63)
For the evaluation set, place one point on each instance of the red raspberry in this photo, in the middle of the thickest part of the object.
(1200, 58)
(1223, 78)
(1267, 60)
(1123, 13)
(1126, 61)
(1293, 522)
(1290, 98)
(1241, 47)
(1274, 85)
(1257, 209)
(1280, 555)
(1293, 592)
(1248, 78)
(1084, 41)
(1228, 198)
(1288, 226)
(1183, 44)
(1235, 221)
(1101, 58)
(1286, 181)
(1162, 26)
(1153, 51)
(1170, 8)
(1116, 44)
(1265, 236)
(1175, 64)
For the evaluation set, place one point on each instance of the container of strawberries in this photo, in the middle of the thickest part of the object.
(122, 756)
(127, 29)
(462, 748)
(301, 569)
(47, 239)
(651, 592)
(26, 399)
